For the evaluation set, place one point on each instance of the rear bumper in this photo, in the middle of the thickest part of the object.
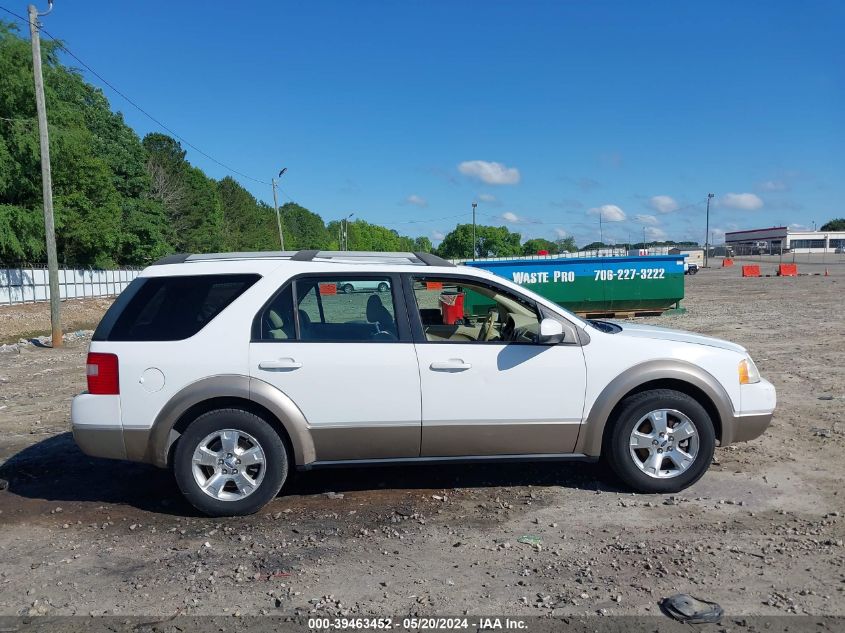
(100, 442)
(96, 425)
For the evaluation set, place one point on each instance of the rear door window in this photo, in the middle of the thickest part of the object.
(348, 310)
(328, 309)
(175, 308)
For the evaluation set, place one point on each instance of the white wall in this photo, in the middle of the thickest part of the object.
(25, 285)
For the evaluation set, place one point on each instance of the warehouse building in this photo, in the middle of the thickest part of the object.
(779, 239)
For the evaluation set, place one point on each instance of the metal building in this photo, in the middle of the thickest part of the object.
(783, 239)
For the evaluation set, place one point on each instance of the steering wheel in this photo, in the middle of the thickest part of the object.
(487, 330)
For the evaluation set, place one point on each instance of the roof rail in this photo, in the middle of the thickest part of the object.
(426, 259)
(372, 256)
(304, 256)
(177, 258)
(429, 259)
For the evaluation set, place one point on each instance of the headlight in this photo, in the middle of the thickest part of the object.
(748, 373)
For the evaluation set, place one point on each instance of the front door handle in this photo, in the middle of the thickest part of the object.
(453, 364)
(281, 364)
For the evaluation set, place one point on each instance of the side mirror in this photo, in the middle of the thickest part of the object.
(551, 332)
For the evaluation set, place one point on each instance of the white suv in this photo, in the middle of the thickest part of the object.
(233, 368)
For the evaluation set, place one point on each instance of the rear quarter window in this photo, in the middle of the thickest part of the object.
(171, 308)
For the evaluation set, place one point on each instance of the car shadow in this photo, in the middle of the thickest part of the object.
(56, 470)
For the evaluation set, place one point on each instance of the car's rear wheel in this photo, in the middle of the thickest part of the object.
(230, 462)
(383, 287)
(660, 441)
(346, 289)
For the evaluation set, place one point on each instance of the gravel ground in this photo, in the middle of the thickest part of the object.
(762, 533)
(33, 319)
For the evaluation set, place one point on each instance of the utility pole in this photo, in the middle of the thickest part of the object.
(644, 246)
(707, 232)
(276, 207)
(601, 230)
(46, 178)
(474, 243)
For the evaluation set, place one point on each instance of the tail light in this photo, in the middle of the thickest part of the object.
(101, 370)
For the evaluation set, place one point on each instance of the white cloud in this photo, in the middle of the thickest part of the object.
(663, 204)
(609, 213)
(487, 197)
(438, 236)
(654, 233)
(490, 172)
(772, 185)
(512, 218)
(417, 201)
(646, 219)
(742, 201)
(561, 234)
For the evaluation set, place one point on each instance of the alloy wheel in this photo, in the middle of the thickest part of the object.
(664, 443)
(228, 464)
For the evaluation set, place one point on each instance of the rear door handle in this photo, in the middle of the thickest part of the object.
(281, 364)
(453, 364)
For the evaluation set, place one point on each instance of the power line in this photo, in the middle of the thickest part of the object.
(61, 45)
(18, 16)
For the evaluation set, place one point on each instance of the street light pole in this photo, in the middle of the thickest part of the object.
(46, 177)
(276, 206)
(345, 224)
(474, 243)
(601, 231)
(707, 232)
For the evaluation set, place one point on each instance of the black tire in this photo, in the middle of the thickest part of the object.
(347, 289)
(383, 287)
(275, 465)
(617, 453)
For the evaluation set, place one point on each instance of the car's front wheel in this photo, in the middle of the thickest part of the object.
(660, 441)
(230, 462)
(346, 289)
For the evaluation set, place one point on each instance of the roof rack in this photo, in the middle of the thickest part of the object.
(346, 257)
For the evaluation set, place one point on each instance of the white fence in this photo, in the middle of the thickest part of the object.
(30, 284)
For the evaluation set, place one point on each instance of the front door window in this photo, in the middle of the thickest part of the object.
(459, 311)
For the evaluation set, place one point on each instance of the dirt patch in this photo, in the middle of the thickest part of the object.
(761, 533)
(29, 320)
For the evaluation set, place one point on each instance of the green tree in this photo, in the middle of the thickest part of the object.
(834, 225)
(99, 180)
(533, 246)
(304, 229)
(592, 246)
(566, 245)
(190, 199)
(492, 241)
(364, 236)
(201, 221)
(248, 225)
(422, 245)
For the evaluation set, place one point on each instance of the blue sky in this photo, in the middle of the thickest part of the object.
(549, 114)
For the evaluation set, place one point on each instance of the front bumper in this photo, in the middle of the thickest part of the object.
(96, 425)
(758, 405)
